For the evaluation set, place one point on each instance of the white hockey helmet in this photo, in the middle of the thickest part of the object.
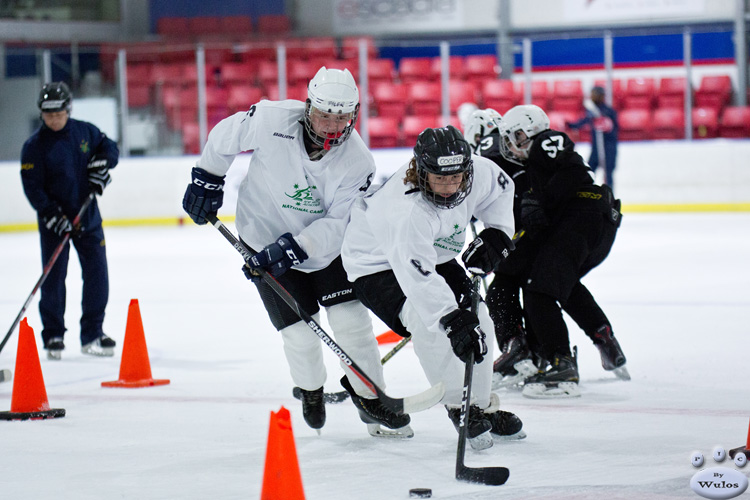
(333, 96)
(518, 128)
(481, 123)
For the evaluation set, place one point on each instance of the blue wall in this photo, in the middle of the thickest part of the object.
(196, 8)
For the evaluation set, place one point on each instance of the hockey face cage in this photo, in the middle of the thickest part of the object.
(340, 123)
(446, 202)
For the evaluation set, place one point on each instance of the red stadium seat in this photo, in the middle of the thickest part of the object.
(139, 74)
(390, 99)
(241, 97)
(297, 92)
(381, 70)
(350, 47)
(139, 96)
(705, 123)
(668, 123)
(424, 98)
(301, 72)
(567, 95)
(539, 93)
(274, 24)
(455, 68)
(415, 69)
(191, 138)
(460, 92)
(319, 48)
(172, 26)
(413, 125)
(557, 120)
(635, 124)
(384, 132)
(167, 75)
(714, 92)
(233, 73)
(480, 68)
(640, 93)
(735, 122)
(204, 25)
(499, 95)
(671, 92)
(236, 25)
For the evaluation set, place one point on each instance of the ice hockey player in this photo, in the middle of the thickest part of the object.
(400, 251)
(61, 164)
(308, 166)
(576, 221)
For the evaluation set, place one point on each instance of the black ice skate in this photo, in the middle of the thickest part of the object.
(313, 408)
(54, 347)
(102, 346)
(374, 414)
(514, 365)
(505, 425)
(613, 358)
(556, 379)
(478, 426)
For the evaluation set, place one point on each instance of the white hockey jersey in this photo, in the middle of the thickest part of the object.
(400, 230)
(284, 191)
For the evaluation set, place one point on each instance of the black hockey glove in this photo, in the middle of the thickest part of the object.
(462, 328)
(278, 257)
(487, 251)
(533, 217)
(203, 196)
(55, 221)
(98, 174)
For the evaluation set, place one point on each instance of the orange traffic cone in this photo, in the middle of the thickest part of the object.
(389, 337)
(135, 368)
(281, 479)
(742, 449)
(29, 400)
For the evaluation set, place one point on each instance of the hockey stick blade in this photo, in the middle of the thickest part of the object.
(418, 402)
(328, 397)
(491, 476)
(5, 375)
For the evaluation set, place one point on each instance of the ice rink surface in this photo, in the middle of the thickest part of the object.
(676, 288)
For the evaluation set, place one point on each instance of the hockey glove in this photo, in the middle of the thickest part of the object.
(533, 217)
(98, 174)
(462, 328)
(487, 251)
(203, 196)
(278, 257)
(56, 222)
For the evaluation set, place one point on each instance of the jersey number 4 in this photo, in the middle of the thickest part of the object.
(553, 145)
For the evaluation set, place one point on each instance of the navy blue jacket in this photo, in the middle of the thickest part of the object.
(54, 168)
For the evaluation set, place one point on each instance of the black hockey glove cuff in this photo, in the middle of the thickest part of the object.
(56, 221)
(278, 257)
(98, 174)
(533, 217)
(462, 328)
(203, 196)
(487, 251)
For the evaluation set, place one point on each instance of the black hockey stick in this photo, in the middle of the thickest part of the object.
(48, 268)
(492, 476)
(338, 397)
(418, 402)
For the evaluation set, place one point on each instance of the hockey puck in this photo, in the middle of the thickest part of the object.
(420, 493)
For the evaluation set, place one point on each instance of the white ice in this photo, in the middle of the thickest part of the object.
(676, 288)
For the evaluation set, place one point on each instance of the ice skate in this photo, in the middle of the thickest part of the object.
(479, 426)
(613, 359)
(313, 408)
(102, 346)
(556, 379)
(374, 414)
(54, 348)
(514, 365)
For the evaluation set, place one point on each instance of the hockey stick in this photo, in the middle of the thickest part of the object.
(492, 476)
(418, 402)
(48, 267)
(475, 234)
(338, 397)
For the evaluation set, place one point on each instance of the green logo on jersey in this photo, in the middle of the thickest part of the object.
(84, 146)
(304, 200)
(454, 242)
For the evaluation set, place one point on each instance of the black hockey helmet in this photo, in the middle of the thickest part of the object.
(443, 151)
(54, 97)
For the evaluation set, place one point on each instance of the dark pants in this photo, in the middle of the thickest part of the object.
(610, 159)
(92, 255)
